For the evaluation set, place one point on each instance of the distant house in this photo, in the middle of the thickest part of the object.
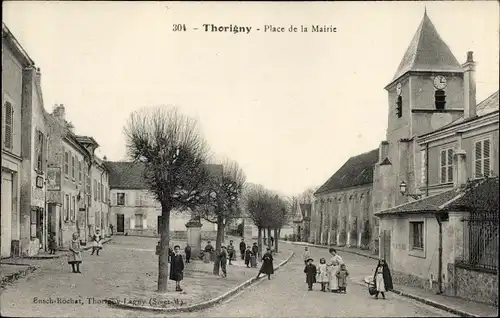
(302, 220)
(135, 211)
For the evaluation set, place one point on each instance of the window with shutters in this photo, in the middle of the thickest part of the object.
(99, 192)
(39, 150)
(120, 198)
(482, 158)
(80, 171)
(95, 190)
(8, 124)
(66, 164)
(73, 208)
(417, 235)
(73, 167)
(446, 165)
(66, 207)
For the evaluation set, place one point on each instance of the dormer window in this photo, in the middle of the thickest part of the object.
(399, 107)
(440, 99)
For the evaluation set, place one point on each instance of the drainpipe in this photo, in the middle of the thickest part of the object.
(440, 255)
(100, 194)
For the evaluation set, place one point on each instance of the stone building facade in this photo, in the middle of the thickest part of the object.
(342, 211)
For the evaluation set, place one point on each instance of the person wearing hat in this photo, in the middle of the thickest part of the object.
(267, 267)
(310, 271)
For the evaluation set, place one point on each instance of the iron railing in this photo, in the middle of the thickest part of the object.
(481, 241)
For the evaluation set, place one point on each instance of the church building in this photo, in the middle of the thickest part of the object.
(406, 200)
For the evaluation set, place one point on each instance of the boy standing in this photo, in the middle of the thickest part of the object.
(310, 271)
(177, 268)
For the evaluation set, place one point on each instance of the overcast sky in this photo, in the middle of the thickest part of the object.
(291, 108)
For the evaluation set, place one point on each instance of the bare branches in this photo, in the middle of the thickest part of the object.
(173, 151)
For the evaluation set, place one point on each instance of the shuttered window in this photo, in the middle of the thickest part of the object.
(446, 165)
(8, 124)
(95, 190)
(482, 158)
(80, 171)
(66, 164)
(39, 150)
(73, 167)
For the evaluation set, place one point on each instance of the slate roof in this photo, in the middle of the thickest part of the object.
(427, 52)
(358, 170)
(126, 175)
(451, 199)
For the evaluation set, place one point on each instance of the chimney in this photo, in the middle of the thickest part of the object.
(38, 77)
(461, 167)
(469, 86)
(59, 112)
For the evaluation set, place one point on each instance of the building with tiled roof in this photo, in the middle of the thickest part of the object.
(135, 210)
(407, 199)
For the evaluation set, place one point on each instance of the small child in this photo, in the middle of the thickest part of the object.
(248, 256)
(187, 251)
(322, 274)
(310, 271)
(75, 255)
(342, 278)
(97, 244)
(52, 243)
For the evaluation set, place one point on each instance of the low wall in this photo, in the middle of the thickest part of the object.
(414, 281)
(475, 285)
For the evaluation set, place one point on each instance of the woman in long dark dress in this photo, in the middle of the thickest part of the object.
(267, 264)
(382, 278)
(177, 268)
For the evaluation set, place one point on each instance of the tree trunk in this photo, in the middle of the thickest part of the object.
(218, 243)
(264, 236)
(259, 243)
(164, 244)
(269, 237)
(276, 238)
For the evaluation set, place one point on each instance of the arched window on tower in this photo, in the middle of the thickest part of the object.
(440, 99)
(399, 107)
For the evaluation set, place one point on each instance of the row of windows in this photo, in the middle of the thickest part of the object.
(481, 161)
(140, 200)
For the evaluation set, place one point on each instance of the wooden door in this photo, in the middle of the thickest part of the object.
(120, 223)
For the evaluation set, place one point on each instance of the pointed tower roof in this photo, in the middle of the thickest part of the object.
(427, 52)
(298, 217)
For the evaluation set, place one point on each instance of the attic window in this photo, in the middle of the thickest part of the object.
(440, 99)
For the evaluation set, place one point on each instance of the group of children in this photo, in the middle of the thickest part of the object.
(321, 271)
(75, 255)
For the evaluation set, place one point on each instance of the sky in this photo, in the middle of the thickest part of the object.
(290, 108)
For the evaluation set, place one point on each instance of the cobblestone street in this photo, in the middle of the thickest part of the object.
(285, 295)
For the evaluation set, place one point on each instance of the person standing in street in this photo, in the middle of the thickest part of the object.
(75, 255)
(342, 275)
(111, 229)
(310, 271)
(248, 256)
(187, 251)
(223, 260)
(177, 268)
(322, 274)
(267, 264)
(97, 242)
(243, 248)
(209, 249)
(272, 240)
(230, 251)
(306, 255)
(333, 267)
(52, 243)
(382, 278)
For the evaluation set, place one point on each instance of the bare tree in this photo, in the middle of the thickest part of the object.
(173, 152)
(307, 196)
(259, 201)
(281, 212)
(224, 203)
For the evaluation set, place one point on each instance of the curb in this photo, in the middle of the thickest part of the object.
(428, 302)
(327, 247)
(15, 276)
(199, 306)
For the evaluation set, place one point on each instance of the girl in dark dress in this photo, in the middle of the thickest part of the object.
(310, 271)
(177, 268)
(267, 264)
(248, 256)
(382, 278)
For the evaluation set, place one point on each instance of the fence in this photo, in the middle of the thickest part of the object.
(481, 241)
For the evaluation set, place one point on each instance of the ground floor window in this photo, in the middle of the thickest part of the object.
(138, 221)
(417, 235)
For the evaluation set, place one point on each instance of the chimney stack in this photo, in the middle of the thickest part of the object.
(469, 86)
(59, 112)
(383, 150)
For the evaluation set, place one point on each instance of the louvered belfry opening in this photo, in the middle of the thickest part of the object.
(440, 99)
(399, 106)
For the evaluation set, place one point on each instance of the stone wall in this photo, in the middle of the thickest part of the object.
(414, 281)
(471, 284)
